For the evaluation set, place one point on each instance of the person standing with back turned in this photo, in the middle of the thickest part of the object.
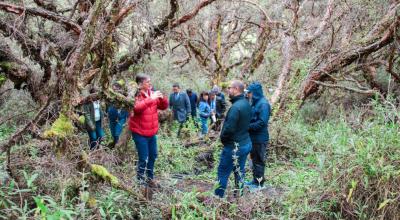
(260, 112)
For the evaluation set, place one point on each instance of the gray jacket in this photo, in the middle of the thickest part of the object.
(180, 105)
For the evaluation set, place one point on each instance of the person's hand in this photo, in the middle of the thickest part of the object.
(156, 95)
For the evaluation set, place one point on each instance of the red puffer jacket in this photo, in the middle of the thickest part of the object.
(144, 120)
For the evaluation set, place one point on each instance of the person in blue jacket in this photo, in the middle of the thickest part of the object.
(258, 130)
(204, 112)
(116, 118)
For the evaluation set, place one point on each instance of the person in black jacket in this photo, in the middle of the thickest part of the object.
(235, 138)
(258, 129)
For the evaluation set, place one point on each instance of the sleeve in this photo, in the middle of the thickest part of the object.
(187, 104)
(262, 118)
(203, 111)
(170, 101)
(223, 105)
(88, 120)
(124, 117)
(162, 103)
(141, 105)
(230, 123)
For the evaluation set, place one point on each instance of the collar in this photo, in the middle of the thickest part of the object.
(236, 98)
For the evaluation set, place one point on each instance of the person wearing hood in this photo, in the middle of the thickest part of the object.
(258, 130)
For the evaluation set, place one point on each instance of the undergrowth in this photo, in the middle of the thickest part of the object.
(343, 167)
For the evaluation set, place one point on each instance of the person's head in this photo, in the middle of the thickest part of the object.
(116, 86)
(176, 88)
(248, 93)
(212, 95)
(216, 89)
(92, 90)
(143, 81)
(256, 90)
(204, 96)
(92, 96)
(235, 88)
(189, 91)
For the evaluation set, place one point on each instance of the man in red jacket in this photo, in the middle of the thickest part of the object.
(144, 126)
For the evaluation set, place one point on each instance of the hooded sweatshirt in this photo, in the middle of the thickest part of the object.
(260, 112)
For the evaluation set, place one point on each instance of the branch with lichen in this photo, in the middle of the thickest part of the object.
(105, 175)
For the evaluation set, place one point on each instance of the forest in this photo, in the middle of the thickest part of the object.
(327, 72)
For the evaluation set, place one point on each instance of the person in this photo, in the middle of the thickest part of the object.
(218, 107)
(204, 112)
(258, 130)
(235, 139)
(93, 121)
(193, 103)
(218, 92)
(143, 124)
(116, 117)
(180, 105)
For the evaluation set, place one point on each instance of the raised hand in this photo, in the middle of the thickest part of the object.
(156, 95)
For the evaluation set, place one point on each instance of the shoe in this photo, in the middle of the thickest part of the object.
(153, 184)
(141, 182)
(255, 183)
(253, 186)
(147, 193)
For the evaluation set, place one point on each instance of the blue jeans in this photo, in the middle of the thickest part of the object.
(116, 130)
(232, 159)
(147, 152)
(96, 136)
(204, 125)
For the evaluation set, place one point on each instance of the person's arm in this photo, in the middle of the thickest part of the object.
(124, 114)
(141, 105)
(88, 119)
(263, 118)
(223, 105)
(230, 124)
(170, 101)
(162, 103)
(203, 111)
(187, 104)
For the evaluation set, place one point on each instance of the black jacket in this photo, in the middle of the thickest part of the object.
(261, 111)
(237, 121)
(220, 106)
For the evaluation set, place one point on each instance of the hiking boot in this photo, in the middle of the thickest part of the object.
(153, 184)
(253, 184)
(147, 193)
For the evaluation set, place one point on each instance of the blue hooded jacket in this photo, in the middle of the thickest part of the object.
(260, 112)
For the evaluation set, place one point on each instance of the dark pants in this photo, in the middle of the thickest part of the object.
(232, 159)
(181, 124)
(258, 156)
(116, 130)
(147, 152)
(194, 118)
(96, 136)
